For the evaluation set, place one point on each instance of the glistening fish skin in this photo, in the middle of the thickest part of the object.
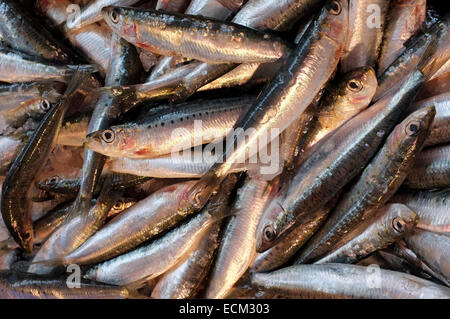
(378, 182)
(440, 131)
(194, 37)
(16, 67)
(286, 97)
(171, 131)
(151, 260)
(21, 285)
(141, 222)
(93, 12)
(17, 185)
(348, 95)
(26, 35)
(433, 249)
(431, 206)
(347, 281)
(432, 169)
(365, 33)
(405, 19)
(237, 249)
(282, 252)
(335, 162)
(391, 223)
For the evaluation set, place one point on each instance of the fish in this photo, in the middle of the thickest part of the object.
(73, 130)
(285, 98)
(347, 281)
(329, 166)
(378, 182)
(390, 223)
(433, 249)
(75, 230)
(237, 249)
(187, 35)
(17, 185)
(440, 132)
(431, 206)
(404, 20)
(396, 73)
(91, 13)
(155, 214)
(431, 170)
(25, 34)
(7, 258)
(124, 69)
(367, 22)
(180, 128)
(171, 6)
(15, 284)
(149, 261)
(282, 252)
(186, 280)
(17, 67)
(345, 98)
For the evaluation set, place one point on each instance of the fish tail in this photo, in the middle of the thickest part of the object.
(83, 72)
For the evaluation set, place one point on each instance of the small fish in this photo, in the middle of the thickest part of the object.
(433, 249)
(431, 170)
(29, 286)
(149, 261)
(389, 224)
(93, 12)
(179, 128)
(287, 96)
(17, 67)
(347, 281)
(25, 167)
(367, 21)
(404, 20)
(431, 206)
(175, 34)
(377, 183)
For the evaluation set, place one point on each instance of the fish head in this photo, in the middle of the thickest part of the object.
(267, 232)
(400, 219)
(335, 21)
(413, 130)
(121, 20)
(359, 86)
(113, 141)
(49, 184)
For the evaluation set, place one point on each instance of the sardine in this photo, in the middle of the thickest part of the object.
(347, 281)
(433, 249)
(377, 183)
(404, 20)
(24, 169)
(431, 170)
(390, 223)
(185, 126)
(287, 96)
(431, 206)
(367, 21)
(194, 37)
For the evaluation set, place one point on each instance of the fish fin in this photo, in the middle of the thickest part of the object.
(78, 75)
(199, 194)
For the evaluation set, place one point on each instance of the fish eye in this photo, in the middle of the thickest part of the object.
(26, 236)
(108, 136)
(53, 180)
(119, 205)
(354, 85)
(413, 128)
(269, 233)
(114, 16)
(45, 105)
(399, 224)
(334, 7)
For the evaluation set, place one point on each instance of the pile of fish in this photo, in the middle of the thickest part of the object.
(224, 149)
